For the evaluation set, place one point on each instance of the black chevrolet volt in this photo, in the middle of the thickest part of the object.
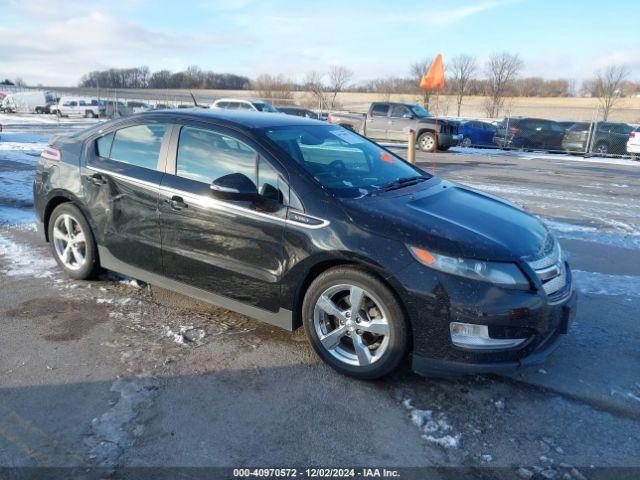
(295, 222)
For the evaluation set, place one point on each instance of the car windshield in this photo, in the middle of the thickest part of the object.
(343, 162)
(265, 107)
(419, 111)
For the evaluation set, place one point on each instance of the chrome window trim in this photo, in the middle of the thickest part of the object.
(206, 201)
(125, 178)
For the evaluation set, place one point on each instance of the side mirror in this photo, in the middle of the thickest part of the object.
(235, 186)
(407, 115)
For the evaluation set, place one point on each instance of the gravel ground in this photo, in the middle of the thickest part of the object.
(114, 373)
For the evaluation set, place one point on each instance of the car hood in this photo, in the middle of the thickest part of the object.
(453, 220)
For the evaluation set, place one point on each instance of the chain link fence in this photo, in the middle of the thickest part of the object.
(555, 125)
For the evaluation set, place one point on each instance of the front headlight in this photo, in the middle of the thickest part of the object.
(501, 273)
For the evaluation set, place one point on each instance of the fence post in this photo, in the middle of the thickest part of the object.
(592, 125)
(411, 152)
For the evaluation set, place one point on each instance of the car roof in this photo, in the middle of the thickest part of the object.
(237, 118)
(244, 100)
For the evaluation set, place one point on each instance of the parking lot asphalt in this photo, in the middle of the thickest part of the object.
(116, 373)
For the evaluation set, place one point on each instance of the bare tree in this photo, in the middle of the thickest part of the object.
(418, 70)
(339, 77)
(502, 69)
(273, 88)
(607, 87)
(313, 83)
(462, 69)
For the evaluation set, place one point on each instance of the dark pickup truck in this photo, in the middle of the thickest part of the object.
(392, 121)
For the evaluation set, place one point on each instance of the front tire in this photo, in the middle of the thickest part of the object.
(72, 242)
(427, 142)
(355, 323)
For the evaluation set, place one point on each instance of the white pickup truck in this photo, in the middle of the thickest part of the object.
(84, 107)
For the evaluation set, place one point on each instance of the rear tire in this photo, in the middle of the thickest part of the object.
(602, 148)
(366, 341)
(72, 242)
(427, 142)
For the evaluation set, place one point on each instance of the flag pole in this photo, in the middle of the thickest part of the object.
(437, 130)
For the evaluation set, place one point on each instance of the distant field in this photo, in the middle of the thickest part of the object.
(583, 109)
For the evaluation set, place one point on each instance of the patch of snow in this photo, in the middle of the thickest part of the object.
(433, 427)
(629, 237)
(448, 441)
(131, 282)
(185, 334)
(113, 432)
(24, 261)
(597, 283)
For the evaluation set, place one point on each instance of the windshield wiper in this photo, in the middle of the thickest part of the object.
(398, 183)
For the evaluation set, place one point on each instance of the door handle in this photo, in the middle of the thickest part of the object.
(98, 179)
(176, 203)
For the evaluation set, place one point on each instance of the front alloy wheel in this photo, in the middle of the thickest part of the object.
(351, 325)
(355, 323)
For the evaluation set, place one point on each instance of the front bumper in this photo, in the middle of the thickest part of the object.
(434, 300)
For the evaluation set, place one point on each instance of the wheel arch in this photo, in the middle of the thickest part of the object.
(58, 198)
(366, 265)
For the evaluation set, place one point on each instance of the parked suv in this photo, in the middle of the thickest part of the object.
(607, 138)
(85, 107)
(529, 134)
(239, 104)
(610, 138)
(297, 222)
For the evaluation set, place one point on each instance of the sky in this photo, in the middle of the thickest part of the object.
(53, 42)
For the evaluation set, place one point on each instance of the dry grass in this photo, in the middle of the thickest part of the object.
(570, 108)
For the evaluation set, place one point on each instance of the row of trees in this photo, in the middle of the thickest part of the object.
(497, 79)
(141, 77)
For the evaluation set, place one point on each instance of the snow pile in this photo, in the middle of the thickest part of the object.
(185, 335)
(435, 428)
(23, 261)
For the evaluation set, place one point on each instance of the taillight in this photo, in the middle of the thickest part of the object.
(51, 153)
(631, 135)
(329, 119)
(515, 130)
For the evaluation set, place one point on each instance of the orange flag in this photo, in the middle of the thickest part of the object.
(435, 76)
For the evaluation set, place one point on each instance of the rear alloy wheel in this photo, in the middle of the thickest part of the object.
(602, 149)
(427, 142)
(355, 323)
(72, 242)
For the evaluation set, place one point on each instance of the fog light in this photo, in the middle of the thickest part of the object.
(470, 335)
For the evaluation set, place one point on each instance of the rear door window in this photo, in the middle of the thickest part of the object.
(103, 145)
(380, 110)
(398, 111)
(138, 145)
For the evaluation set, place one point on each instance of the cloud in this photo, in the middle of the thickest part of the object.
(62, 51)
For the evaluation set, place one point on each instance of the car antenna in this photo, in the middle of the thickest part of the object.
(195, 103)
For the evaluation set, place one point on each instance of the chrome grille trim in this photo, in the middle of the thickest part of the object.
(551, 271)
(555, 284)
